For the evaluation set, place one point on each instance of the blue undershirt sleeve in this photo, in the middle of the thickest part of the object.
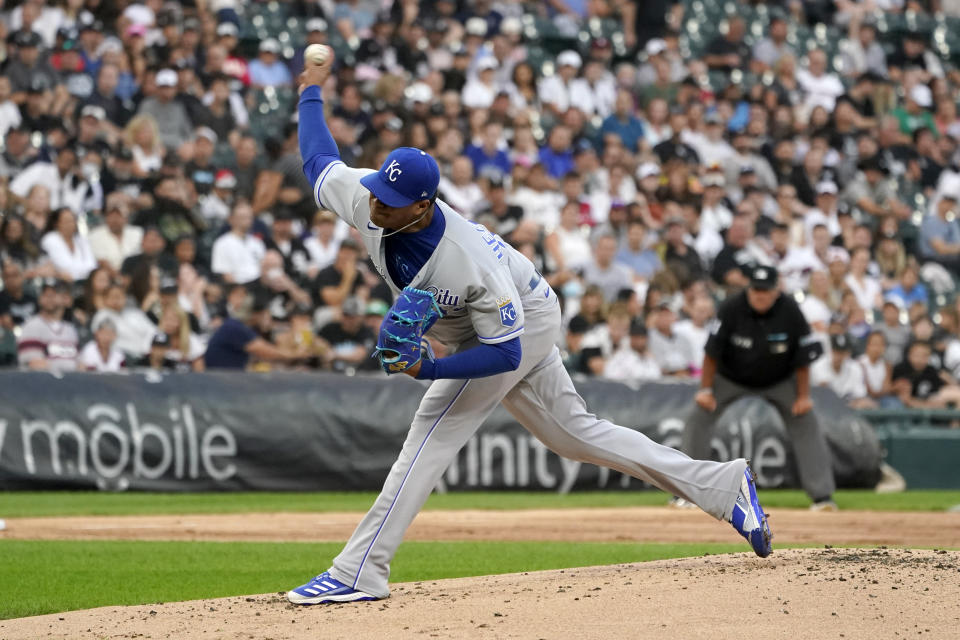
(478, 362)
(317, 146)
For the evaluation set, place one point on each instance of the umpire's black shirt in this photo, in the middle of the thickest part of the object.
(757, 350)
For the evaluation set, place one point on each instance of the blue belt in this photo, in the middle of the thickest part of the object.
(535, 280)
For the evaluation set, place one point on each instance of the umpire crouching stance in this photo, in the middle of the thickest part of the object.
(761, 345)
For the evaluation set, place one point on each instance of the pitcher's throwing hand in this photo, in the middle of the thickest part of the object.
(314, 72)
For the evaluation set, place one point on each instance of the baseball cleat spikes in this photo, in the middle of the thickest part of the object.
(324, 589)
(749, 519)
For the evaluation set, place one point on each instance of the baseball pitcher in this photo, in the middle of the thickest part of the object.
(501, 321)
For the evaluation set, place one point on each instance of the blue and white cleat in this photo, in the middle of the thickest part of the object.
(749, 519)
(325, 589)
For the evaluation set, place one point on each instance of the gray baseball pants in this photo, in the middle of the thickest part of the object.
(809, 444)
(542, 398)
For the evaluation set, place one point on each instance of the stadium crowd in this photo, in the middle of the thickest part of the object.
(646, 156)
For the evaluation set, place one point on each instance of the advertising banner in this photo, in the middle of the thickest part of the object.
(299, 432)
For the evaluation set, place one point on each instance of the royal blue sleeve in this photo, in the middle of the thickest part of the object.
(479, 362)
(317, 146)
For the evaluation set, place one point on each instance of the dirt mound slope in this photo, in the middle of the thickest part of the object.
(801, 594)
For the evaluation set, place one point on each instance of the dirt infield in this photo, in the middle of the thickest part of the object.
(809, 594)
(640, 524)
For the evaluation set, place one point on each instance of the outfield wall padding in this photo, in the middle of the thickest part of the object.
(299, 431)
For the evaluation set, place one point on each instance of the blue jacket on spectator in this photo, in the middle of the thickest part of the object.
(480, 159)
(630, 130)
(228, 346)
(917, 294)
(556, 164)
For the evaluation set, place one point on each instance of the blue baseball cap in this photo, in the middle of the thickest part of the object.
(408, 175)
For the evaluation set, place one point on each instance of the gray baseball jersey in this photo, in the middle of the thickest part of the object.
(490, 293)
(482, 284)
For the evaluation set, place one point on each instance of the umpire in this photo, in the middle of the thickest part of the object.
(761, 345)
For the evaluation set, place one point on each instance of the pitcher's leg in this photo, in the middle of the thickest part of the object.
(699, 425)
(548, 405)
(435, 436)
(814, 463)
(450, 412)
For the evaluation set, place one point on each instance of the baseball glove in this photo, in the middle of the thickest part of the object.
(401, 343)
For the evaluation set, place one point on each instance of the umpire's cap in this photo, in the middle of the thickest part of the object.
(764, 278)
(408, 175)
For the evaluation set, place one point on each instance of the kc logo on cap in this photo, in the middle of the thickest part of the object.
(393, 170)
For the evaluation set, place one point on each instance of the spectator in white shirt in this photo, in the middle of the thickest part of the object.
(539, 202)
(605, 338)
(568, 244)
(711, 146)
(480, 91)
(826, 212)
(115, 241)
(794, 263)
(878, 373)
(237, 253)
(820, 87)
(865, 287)
(610, 276)
(459, 190)
(100, 354)
(667, 347)
(69, 252)
(215, 206)
(594, 93)
(863, 53)
(556, 91)
(816, 303)
(9, 111)
(133, 327)
(841, 373)
(190, 290)
(949, 324)
(632, 361)
(323, 244)
(67, 189)
(695, 330)
(714, 213)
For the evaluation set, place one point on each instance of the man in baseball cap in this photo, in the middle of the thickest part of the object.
(482, 294)
(403, 188)
(29, 63)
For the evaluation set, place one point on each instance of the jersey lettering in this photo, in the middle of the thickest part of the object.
(494, 241)
(445, 297)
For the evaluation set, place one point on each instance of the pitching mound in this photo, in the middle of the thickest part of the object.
(812, 594)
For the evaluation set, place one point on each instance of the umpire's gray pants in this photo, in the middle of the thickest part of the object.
(809, 444)
(542, 398)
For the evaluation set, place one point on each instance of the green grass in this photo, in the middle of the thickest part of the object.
(67, 503)
(52, 576)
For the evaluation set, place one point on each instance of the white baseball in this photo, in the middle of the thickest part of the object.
(317, 53)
